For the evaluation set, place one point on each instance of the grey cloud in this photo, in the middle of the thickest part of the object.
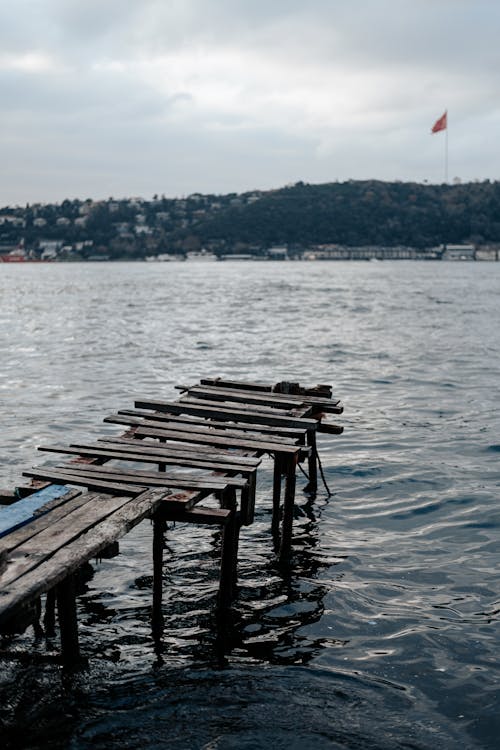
(64, 96)
(439, 34)
(82, 117)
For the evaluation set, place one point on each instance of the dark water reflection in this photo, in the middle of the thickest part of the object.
(384, 631)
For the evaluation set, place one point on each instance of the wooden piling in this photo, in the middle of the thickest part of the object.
(248, 499)
(49, 619)
(157, 622)
(312, 461)
(228, 502)
(68, 623)
(277, 472)
(288, 507)
(227, 565)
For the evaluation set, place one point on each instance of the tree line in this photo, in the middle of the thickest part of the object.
(353, 213)
(368, 212)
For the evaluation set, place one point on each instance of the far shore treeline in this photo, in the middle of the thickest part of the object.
(354, 213)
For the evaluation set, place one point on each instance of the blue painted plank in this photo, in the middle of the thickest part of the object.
(22, 512)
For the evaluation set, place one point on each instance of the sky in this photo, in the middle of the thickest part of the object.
(118, 98)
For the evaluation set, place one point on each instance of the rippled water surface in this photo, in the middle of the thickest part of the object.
(384, 633)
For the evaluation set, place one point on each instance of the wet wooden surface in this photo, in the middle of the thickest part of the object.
(84, 526)
(214, 434)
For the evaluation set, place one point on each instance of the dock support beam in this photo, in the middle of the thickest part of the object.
(288, 506)
(229, 552)
(275, 523)
(248, 499)
(66, 608)
(312, 485)
(159, 526)
(49, 620)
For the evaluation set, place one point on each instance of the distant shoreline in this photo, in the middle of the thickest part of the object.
(358, 259)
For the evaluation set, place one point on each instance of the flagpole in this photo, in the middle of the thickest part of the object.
(446, 151)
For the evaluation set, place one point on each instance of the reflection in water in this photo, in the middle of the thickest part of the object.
(384, 632)
(264, 619)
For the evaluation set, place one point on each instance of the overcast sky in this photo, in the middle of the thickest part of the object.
(104, 98)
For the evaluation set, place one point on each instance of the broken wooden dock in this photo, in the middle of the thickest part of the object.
(207, 443)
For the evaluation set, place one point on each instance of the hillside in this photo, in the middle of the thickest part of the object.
(363, 213)
(352, 214)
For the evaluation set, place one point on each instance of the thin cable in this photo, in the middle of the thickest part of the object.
(304, 472)
(322, 474)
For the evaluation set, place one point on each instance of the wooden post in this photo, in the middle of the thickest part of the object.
(248, 499)
(288, 506)
(278, 467)
(36, 622)
(157, 621)
(229, 550)
(228, 501)
(236, 544)
(49, 620)
(312, 485)
(68, 623)
(227, 563)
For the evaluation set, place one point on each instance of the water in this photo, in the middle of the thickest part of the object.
(385, 631)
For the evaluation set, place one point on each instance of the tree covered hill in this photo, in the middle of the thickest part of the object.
(354, 213)
(363, 213)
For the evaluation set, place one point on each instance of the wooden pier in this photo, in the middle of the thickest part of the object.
(207, 443)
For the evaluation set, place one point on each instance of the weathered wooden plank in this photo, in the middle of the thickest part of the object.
(271, 430)
(160, 478)
(199, 407)
(321, 408)
(70, 557)
(92, 484)
(241, 442)
(319, 391)
(22, 534)
(330, 429)
(211, 483)
(199, 400)
(44, 544)
(23, 511)
(289, 401)
(250, 398)
(239, 406)
(199, 514)
(202, 428)
(201, 452)
(150, 457)
(198, 452)
(113, 485)
(319, 400)
(298, 412)
(323, 390)
(244, 385)
(184, 499)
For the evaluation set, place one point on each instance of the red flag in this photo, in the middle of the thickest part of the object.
(440, 124)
